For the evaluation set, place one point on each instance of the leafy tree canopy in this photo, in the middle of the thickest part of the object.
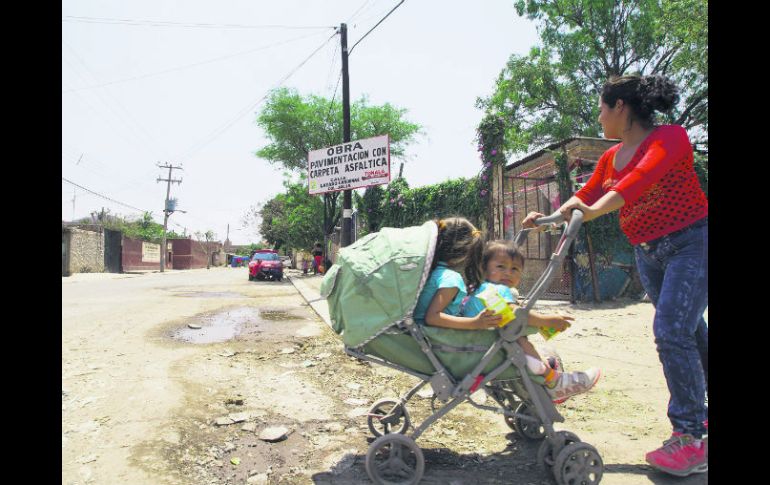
(552, 93)
(291, 219)
(296, 124)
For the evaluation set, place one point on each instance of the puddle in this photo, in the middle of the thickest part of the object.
(210, 294)
(242, 323)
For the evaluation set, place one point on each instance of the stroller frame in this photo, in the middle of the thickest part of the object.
(396, 453)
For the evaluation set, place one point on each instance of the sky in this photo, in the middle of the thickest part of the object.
(157, 82)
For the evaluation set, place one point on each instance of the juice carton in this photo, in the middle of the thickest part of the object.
(493, 301)
(548, 332)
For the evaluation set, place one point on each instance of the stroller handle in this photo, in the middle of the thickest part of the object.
(568, 237)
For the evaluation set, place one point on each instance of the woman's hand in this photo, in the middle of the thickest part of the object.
(487, 319)
(570, 205)
(529, 221)
(557, 322)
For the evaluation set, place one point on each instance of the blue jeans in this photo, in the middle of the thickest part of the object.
(674, 272)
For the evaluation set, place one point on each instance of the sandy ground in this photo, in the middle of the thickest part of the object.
(144, 403)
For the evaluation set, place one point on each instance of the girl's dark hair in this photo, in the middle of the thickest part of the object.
(460, 245)
(643, 94)
(501, 246)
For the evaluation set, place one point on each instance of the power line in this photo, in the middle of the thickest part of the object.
(102, 196)
(161, 23)
(375, 26)
(216, 133)
(187, 66)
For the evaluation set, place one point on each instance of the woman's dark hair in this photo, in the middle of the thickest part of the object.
(643, 94)
(501, 246)
(460, 245)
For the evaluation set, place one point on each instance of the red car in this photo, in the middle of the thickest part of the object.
(265, 263)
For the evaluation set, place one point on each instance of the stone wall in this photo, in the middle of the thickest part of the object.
(86, 251)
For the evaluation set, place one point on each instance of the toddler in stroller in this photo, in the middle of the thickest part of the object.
(372, 293)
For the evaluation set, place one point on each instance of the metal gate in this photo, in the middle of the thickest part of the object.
(113, 250)
(523, 195)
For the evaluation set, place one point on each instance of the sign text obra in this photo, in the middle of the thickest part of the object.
(351, 165)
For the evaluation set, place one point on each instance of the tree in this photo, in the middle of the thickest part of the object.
(290, 219)
(552, 93)
(205, 239)
(295, 125)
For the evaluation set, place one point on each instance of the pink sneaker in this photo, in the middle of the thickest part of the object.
(680, 455)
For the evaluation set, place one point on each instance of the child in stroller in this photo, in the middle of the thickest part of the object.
(372, 294)
(503, 264)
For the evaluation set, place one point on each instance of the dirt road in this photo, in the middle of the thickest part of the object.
(146, 399)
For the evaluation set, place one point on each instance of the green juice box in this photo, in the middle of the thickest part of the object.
(548, 332)
(493, 301)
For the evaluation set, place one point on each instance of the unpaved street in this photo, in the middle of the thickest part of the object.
(146, 399)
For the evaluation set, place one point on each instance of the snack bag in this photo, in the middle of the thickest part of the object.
(493, 301)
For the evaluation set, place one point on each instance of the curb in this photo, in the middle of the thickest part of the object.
(313, 299)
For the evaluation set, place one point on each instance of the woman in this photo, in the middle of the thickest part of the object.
(650, 177)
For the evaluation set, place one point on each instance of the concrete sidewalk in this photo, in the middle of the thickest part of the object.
(309, 286)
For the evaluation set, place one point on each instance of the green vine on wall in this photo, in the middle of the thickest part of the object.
(491, 136)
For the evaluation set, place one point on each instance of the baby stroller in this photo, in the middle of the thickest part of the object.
(372, 292)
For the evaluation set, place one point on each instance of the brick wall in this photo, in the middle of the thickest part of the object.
(132, 255)
(86, 251)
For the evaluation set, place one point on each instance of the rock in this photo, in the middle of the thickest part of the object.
(323, 355)
(238, 417)
(229, 446)
(250, 427)
(425, 393)
(308, 363)
(334, 427)
(194, 326)
(356, 412)
(86, 459)
(287, 350)
(258, 479)
(274, 433)
(238, 401)
(354, 386)
(356, 402)
(223, 421)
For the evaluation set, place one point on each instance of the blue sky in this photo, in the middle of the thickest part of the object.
(139, 89)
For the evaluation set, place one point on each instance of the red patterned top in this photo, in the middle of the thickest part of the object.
(659, 186)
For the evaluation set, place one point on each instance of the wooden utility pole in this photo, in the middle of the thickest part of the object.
(347, 205)
(166, 211)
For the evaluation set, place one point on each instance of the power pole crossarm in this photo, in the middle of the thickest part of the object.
(166, 211)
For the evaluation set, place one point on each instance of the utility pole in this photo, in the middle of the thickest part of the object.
(166, 211)
(347, 211)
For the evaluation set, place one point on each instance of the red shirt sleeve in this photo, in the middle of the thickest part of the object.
(669, 145)
(592, 190)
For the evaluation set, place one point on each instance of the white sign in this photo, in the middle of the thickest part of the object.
(150, 252)
(351, 165)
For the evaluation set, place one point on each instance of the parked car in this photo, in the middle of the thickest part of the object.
(265, 263)
(286, 260)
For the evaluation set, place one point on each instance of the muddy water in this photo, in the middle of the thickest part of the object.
(241, 323)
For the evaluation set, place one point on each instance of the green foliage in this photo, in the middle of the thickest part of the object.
(295, 125)
(145, 229)
(552, 93)
(398, 205)
(292, 219)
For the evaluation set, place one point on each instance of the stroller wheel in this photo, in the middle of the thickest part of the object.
(527, 429)
(547, 453)
(387, 416)
(578, 463)
(395, 459)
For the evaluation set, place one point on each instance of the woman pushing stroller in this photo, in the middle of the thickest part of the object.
(444, 301)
